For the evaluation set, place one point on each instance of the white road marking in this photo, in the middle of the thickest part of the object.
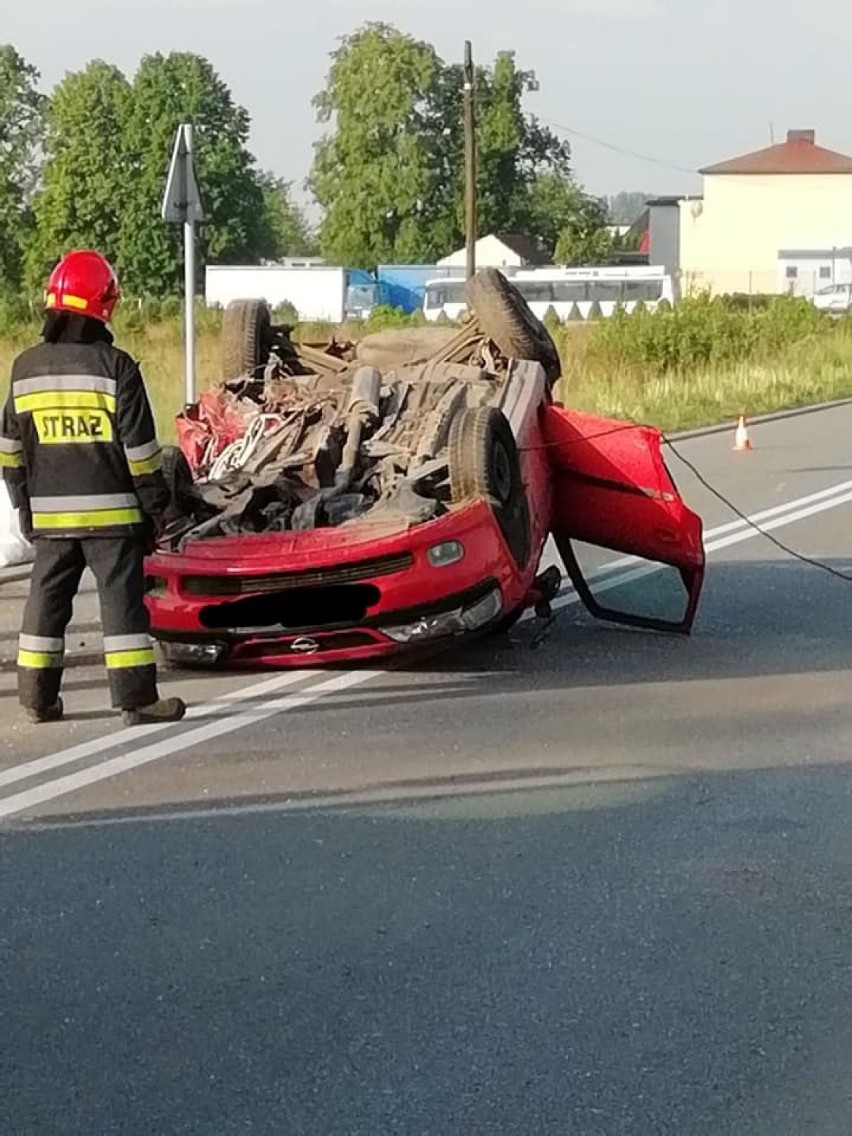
(137, 733)
(217, 728)
(779, 522)
(746, 525)
(721, 537)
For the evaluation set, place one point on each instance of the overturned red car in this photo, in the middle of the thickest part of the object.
(344, 502)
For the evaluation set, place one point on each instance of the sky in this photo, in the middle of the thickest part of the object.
(646, 91)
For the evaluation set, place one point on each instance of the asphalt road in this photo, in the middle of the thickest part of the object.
(601, 885)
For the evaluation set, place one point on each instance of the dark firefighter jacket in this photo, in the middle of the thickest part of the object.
(78, 444)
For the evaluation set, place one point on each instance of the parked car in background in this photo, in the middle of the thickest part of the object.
(835, 298)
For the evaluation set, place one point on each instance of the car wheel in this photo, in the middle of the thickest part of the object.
(246, 331)
(483, 462)
(506, 318)
(178, 475)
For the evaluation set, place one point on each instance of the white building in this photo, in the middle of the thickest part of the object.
(804, 271)
(506, 250)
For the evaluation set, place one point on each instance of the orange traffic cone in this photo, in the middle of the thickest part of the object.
(742, 440)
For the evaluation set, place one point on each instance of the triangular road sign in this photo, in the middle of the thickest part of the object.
(182, 199)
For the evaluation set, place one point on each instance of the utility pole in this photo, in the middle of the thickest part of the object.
(469, 159)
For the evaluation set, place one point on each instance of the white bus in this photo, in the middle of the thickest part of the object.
(562, 288)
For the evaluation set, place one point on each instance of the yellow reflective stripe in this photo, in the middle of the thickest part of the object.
(11, 461)
(65, 400)
(151, 465)
(75, 302)
(101, 519)
(40, 660)
(118, 660)
(66, 298)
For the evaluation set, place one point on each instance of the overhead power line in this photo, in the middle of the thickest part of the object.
(619, 149)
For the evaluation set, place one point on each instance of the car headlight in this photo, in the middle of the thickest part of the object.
(198, 653)
(444, 554)
(459, 621)
(483, 611)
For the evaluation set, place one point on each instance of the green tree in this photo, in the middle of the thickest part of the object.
(514, 152)
(373, 175)
(88, 171)
(21, 130)
(585, 237)
(289, 233)
(627, 207)
(391, 174)
(569, 222)
(108, 145)
(168, 90)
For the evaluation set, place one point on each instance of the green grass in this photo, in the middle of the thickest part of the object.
(817, 369)
(703, 363)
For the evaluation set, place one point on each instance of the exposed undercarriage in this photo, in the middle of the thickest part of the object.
(398, 426)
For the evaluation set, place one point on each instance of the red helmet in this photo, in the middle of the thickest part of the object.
(83, 283)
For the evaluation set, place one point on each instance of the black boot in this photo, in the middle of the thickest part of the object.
(40, 714)
(163, 710)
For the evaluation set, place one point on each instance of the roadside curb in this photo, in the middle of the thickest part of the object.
(16, 573)
(760, 419)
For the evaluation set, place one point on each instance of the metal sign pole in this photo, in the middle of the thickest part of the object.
(189, 288)
(182, 206)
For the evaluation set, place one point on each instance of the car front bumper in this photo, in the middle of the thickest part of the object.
(375, 599)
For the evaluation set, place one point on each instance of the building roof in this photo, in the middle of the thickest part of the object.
(673, 199)
(523, 246)
(798, 155)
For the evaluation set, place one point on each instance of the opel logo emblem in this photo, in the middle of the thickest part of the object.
(305, 646)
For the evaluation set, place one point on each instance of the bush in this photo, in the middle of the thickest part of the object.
(384, 316)
(171, 308)
(700, 331)
(16, 313)
(743, 301)
(285, 313)
(314, 331)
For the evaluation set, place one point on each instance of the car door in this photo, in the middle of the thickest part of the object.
(612, 492)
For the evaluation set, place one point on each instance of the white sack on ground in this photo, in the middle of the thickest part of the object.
(14, 549)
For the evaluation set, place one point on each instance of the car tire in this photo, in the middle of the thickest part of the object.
(506, 318)
(246, 330)
(483, 462)
(178, 475)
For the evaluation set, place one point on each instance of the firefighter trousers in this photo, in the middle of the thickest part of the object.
(117, 565)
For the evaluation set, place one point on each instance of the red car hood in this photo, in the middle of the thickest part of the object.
(306, 549)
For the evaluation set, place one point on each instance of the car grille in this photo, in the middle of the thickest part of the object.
(334, 641)
(310, 578)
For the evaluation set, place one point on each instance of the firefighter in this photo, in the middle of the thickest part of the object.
(82, 464)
